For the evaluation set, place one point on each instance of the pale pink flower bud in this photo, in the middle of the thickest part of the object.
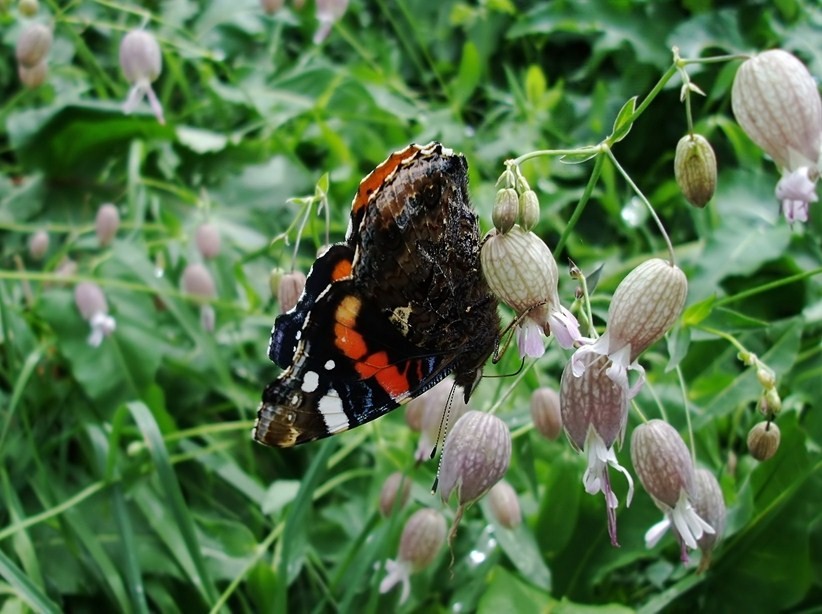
(141, 62)
(666, 471)
(92, 305)
(422, 538)
(763, 440)
(33, 45)
(106, 223)
(395, 492)
(433, 403)
(695, 169)
(208, 240)
(776, 101)
(38, 244)
(504, 505)
(545, 412)
(644, 306)
(475, 457)
(33, 76)
(505, 211)
(710, 506)
(290, 289)
(198, 281)
(594, 415)
(521, 272)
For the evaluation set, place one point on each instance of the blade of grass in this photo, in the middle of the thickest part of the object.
(23, 545)
(26, 589)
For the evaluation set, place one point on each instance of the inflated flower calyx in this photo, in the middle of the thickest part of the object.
(198, 281)
(423, 536)
(695, 169)
(528, 209)
(545, 412)
(433, 403)
(395, 492)
(710, 506)
(290, 289)
(93, 307)
(141, 62)
(34, 76)
(763, 440)
(504, 505)
(271, 6)
(207, 239)
(506, 209)
(776, 101)
(38, 244)
(106, 223)
(33, 45)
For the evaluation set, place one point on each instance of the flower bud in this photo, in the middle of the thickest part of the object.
(140, 57)
(766, 377)
(33, 45)
(28, 8)
(198, 281)
(710, 506)
(328, 12)
(38, 244)
(528, 209)
(476, 456)
(504, 213)
(33, 76)
(271, 6)
(274, 278)
(770, 403)
(545, 412)
(645, 305)
(504, 505)
(290, 289)
(208, 240)
(106, 223)
(92, 305)
(763, 440)
(662, 463)
(695, 169)
(414, 411)
(776, 101)
(395, 492)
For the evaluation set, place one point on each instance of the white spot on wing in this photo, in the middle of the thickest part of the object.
(329, 364)
(333, 414)
(310, 381)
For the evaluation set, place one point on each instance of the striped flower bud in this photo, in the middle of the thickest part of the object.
(106, 223)
(776, 101)
(504, 505)
(545, 412)
(594, 414)
(33, 45)
(141, 62)
(38, 244)
(475, 457)
(290, 289)
(207, 239)
(521, 272)
(710, 506)
(423, 536)
(763, 440)
(505, 211)
(644, 306)
(198, 281)
(695, 169)
(33, 76)
(395, 492)
(528, 209)
(665, 469)
(92, 305)
(433, 403)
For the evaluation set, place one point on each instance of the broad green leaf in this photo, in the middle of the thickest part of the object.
(468, 75)
(24, 588)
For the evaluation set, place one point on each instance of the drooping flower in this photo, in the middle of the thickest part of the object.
(38, 244)
(710, 506)
(666, 471)
(594, 414)
(763, 440)
(33, 45)
(106, 223)
(522, 272)
(198, 281)
(141, 62)
(644, 306)
(433, 403)
(290, 289)
(504, 505)
(776, 101)
(92, 305)
(545, 412)
(422, 538)
(207, 239)
(395, 492)
(328, 12)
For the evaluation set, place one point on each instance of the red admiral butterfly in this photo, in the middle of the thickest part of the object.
(388, 313)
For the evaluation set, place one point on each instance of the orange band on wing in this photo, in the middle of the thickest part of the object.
(374, 180)
(341, 270)
(390, 379)
(349, 342)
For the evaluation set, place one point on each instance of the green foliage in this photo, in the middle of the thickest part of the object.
(128, 480)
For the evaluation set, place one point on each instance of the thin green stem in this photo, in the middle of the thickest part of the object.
(586, 195)
(766, 287)
(580, 151)
(684, 392)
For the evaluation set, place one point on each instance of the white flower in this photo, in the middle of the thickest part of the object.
(796, 191)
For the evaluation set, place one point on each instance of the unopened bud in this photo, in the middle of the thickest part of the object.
(208, 240)
(528, 209)
(271, 6)
(33, 76)
(504, 505)
(766, 377)
(710, 506)
(274, 278)
(38, 244)
(770, 403)
(33, 45)
(290, 289)
(394, 493)
(28, 8)
(198, 281)
(695, 169)
(545, 412)
(140, 57)
(506, 206)
(106, 223)
(763, 440)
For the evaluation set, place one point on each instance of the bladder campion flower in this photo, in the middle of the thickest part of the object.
(141, 62)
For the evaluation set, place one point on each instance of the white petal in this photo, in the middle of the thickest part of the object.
(655, 533)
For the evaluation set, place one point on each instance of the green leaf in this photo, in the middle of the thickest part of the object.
(25, 589)
(578, 158)
(507, 593)
(622, 123)
(468, 75)
(279, 494)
